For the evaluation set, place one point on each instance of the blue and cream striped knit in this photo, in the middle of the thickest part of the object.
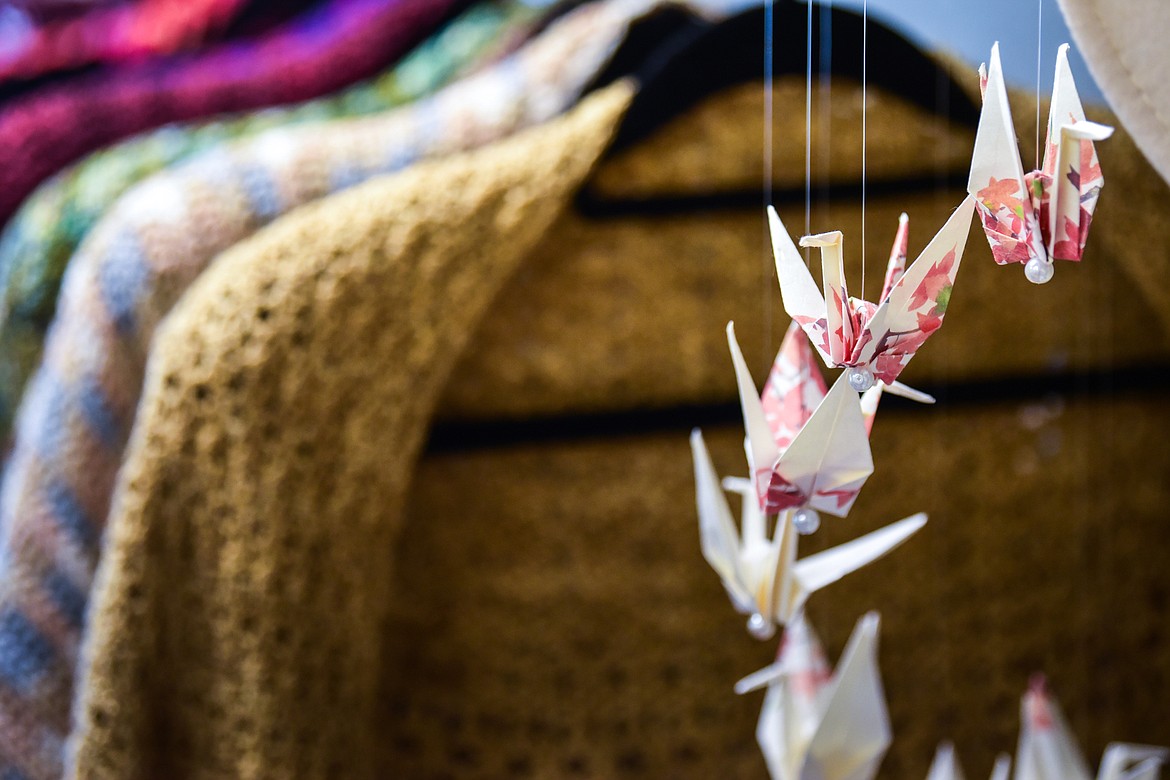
(79, 407)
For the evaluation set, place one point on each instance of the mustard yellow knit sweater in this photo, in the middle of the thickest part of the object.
(269, 464)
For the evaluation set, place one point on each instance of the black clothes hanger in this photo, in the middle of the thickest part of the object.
(704, 58)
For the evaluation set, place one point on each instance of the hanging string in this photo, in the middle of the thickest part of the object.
(1039, 28)
(864, 112)
(766, 270)
(825, 101)
(808, 47)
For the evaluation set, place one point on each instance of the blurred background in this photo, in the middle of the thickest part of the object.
(349, 351)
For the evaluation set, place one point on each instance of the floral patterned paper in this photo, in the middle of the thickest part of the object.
(1045, 213)
(806, 447)
(853, 333)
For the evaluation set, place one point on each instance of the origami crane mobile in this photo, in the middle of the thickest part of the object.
(873, 342)
(814, 724)
(807, 450)
(762, 574)
(1043, 215)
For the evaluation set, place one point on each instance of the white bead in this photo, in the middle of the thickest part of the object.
(806, 521)
(1038, 271)
(760, 627)
(860, 379)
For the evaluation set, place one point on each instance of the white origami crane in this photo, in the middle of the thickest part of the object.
(1047, 750)
(762, 575)
(1043, 215)
(873, 341)
(817, 726)
(946, 765)
(806, 450)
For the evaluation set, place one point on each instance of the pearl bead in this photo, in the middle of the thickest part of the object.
(760, 627)
(860, 379)
(1038, 271)
(806, 521)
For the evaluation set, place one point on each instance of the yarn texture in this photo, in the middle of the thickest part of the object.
(41, 237)
(72, 428)
(352, 307)
(322, 50)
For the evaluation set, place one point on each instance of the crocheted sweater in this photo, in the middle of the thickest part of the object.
(43, 234)
(351, 306)
(322, 50)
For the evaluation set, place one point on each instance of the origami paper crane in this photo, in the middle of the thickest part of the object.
(946, 765)
(1043, 215)
(874, 342)
(817, 725)
(806, 449)
(1047, 750)
(762, 575)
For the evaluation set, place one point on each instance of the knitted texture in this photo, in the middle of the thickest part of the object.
(564, 623)
(355, 310)
(320, 51)
(72, 427)
(125, 31)
(44, 233)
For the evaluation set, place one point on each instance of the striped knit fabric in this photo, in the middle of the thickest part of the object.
(320, 51)
(124, 31)
(75, 420)
(44, 233)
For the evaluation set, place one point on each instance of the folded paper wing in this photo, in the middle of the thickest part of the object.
(830, 728)
(824, 568)
(945, 765)
(997, 177)
(825, 463)
(1071, 164)
(1132, 762)
(918, 301)
(897, 263)
(802, 299)
(855, 730)
(794, 388)
(718, 536)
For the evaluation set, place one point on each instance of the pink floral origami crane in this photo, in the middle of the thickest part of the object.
(873, 341)
(807, 449)
(1043, 215)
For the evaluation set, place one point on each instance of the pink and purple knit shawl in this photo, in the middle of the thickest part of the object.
(323, 50)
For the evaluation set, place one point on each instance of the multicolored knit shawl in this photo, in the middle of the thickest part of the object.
(44, 233)
(72, 429)
(119, 32)
(320, 51)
